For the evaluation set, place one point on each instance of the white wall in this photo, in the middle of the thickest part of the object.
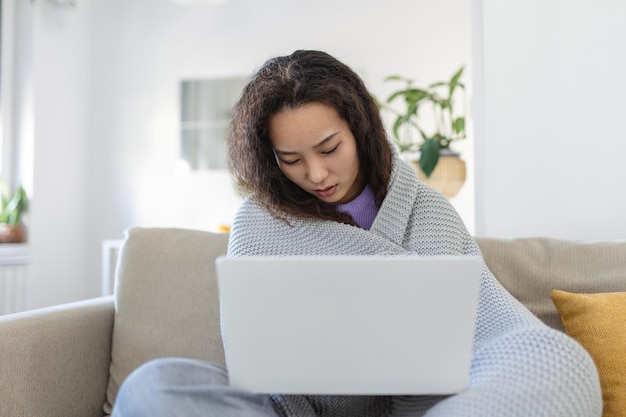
(61, 118)
(106, 78)
(550, 145)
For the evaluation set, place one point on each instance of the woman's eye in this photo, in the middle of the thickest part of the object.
(331, 150)
(293, 162)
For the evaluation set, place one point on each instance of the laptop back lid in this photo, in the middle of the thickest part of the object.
(349, 325)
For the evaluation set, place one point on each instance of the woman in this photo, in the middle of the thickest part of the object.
(308, 144)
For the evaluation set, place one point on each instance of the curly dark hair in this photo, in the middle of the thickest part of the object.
(287, 82)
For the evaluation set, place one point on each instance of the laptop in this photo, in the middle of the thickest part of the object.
(349, 325)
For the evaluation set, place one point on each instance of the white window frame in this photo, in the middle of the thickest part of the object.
(7, 63)
(16, 97)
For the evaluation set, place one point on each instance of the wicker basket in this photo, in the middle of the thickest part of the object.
(448, 177)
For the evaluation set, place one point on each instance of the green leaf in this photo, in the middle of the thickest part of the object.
(400, 120)
(411, 95)
(457, 75)
(455, 80)
(397, 78)
(459, 125)
(13, 205)
(395, 95)
(429, 156)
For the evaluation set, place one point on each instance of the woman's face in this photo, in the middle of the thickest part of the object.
(316, 150)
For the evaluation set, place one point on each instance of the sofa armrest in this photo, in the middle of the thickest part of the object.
(55, 361)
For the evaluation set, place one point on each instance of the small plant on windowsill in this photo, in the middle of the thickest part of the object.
(14, 206)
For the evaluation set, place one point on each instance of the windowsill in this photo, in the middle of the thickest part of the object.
(14, 253)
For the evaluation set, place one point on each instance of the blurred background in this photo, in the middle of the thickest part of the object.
(101, 99)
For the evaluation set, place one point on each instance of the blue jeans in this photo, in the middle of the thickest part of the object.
(175, 387)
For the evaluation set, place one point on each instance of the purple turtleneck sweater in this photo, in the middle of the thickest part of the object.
(363, 208)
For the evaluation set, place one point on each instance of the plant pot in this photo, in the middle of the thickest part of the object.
(12, 233)
(449, 174)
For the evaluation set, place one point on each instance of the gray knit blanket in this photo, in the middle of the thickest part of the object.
(519, 367)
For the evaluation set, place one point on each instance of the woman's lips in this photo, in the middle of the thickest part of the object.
(326, 192)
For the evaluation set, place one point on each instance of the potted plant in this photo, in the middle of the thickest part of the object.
(430, 120)
(13, 206)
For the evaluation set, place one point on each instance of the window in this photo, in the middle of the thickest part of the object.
(205, 115)
(16, 98)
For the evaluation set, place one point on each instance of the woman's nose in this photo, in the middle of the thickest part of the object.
(317, 171)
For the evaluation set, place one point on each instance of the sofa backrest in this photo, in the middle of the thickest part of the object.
(166, 301)
(529, 268)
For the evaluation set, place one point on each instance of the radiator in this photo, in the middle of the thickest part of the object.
(110, 253)
(14, 269)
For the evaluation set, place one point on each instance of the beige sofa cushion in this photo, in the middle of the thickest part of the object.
(530, 268)
(166, 300)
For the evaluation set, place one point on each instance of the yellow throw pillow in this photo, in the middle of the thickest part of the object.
(598, 322)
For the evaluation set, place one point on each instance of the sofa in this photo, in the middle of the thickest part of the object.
(69, 360)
